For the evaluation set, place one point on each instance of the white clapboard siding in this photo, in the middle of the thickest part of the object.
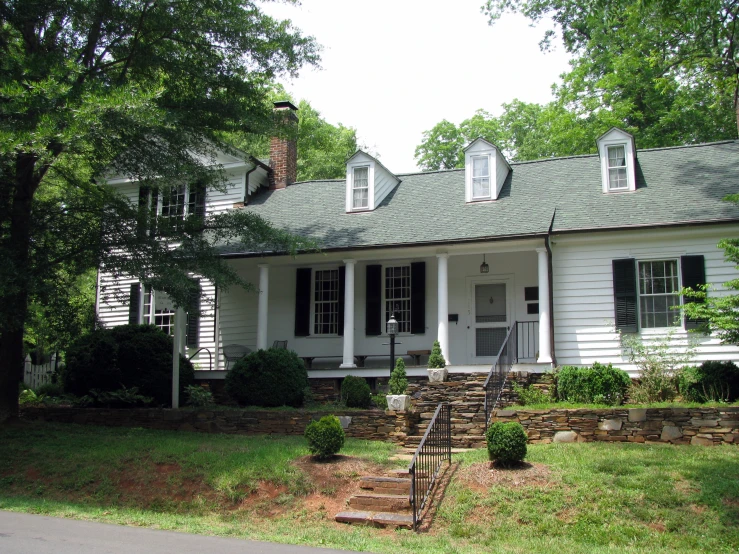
(583, 309)
(219, 201)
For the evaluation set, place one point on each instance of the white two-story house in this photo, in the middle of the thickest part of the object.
(568, 251)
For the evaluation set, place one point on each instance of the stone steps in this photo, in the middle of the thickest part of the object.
(386, 485)
(379, 502)
(386, 505)
(376, 519)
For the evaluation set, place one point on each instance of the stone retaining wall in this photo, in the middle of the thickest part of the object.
(366, 424)
(698, 426)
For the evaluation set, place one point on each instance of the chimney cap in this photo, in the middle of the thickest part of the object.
(285, 104)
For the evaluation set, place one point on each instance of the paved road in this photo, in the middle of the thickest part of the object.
(32, 534)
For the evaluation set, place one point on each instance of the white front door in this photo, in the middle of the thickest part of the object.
(489, 320)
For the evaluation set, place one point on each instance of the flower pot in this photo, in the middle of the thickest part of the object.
(398, 402)
(437, 375)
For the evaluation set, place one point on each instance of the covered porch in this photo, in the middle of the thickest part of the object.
(332, 308)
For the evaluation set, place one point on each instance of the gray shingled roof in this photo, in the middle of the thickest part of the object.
(674, 186)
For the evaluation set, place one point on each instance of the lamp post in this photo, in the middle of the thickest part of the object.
(392, 330)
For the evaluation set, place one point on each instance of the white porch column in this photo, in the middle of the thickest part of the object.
(142, 297)
(177, 343)
(443, 305)
(348, 361)
(545, 336)
(263, 307)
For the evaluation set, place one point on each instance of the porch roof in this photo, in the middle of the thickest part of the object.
(676, 185)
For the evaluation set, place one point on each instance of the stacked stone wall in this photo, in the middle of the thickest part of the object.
(697, 426)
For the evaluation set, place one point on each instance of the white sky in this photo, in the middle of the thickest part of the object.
(394, 68)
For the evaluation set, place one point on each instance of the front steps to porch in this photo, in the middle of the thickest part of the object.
(383, 502)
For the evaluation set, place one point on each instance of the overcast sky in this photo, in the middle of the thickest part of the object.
(394, 68)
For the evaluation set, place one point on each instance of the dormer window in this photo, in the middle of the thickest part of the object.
(618, 159)
(360, 188)
(480, 177)
(617, 168)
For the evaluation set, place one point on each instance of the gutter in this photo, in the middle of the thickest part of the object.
(550, 271)
(246, 182)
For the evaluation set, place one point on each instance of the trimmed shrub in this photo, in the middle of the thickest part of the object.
(713, 381)
(531, 395)
(325, 437)
(398, 380)
(52, 390)
(268, 378)
(380, 401)
(436, 359)
(506, 442)
(599, 384)
(127, 356)
(355, 392)
(199, 397)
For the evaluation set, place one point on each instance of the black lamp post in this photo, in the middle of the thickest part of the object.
(392, 330)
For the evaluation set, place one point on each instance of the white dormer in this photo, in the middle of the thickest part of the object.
(486, 170)
(368, 182)
(617, 161)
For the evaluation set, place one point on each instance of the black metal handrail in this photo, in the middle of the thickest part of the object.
(434, 448)
(507, 356)
(210, 357)
(527, 342)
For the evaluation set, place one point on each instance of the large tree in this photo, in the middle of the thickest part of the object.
(141, 88)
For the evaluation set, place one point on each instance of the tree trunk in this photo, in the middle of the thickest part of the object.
(15, 300)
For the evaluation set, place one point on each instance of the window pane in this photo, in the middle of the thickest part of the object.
(326, 302)
(616, 157)
(481, 187)
(361, 176)
(480, 167)
(657, 284)
(360, 198)
(398, 296)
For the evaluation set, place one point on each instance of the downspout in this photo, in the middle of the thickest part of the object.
(547, 245)
(246, 182)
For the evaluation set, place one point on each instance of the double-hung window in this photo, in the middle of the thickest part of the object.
(617, 179)
(398, 296)
(360, 187)
(658, 293)
(480, 177)
(326, 302)
(180, 202)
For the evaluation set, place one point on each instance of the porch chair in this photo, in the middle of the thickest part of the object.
(234, 352)
(281, 344)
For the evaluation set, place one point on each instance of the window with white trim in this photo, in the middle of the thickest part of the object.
(164, 319)
(398, 296)
(617, 178)
(480, 177)
(179, 203)
(658, 293)
(326, 302)
(360, 187)
(147, 305)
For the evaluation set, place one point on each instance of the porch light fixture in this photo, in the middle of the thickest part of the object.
(392, 330)
(484, 267)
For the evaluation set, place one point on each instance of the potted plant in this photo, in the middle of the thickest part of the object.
(398, 400)
(437, 365)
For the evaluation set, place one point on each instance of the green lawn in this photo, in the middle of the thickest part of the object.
(573, 498)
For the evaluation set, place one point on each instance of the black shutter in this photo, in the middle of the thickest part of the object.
(142, 217)
(418, 298)
(215, 316)
(624, 295)
(694, 274)
(342, 289)
(153, 206)
(196, 202)
(302, 302)
(192, 333)
(373, 314)
(133, 304)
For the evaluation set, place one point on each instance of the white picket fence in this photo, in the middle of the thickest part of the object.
(37, 375)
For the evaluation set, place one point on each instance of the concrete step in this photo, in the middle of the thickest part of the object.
(377, 519)
(385, 485)
(377, 502)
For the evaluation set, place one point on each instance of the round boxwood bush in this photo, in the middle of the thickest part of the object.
(506, 442)
(599, 384)
(325, 437)
(268, 378)
(714, 381)
(355, 392)
(124, 357)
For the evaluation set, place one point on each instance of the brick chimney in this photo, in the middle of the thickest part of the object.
(283, 148)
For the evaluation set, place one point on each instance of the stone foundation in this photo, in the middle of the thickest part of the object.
(697, 426)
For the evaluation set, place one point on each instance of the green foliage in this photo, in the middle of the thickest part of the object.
(119, 398)
(599, 384)
(436, 360)
(52, 390)
(398, 381)
(506, 442)
(325, 437)
(659, 360)
(29, 397)
(355, 392)
(380, 400)
(531, 395)
(199, 397)
(125, 357)
(268, 378)
(712, 381)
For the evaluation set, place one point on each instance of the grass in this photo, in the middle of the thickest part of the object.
(576, 406)
(589, 497)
